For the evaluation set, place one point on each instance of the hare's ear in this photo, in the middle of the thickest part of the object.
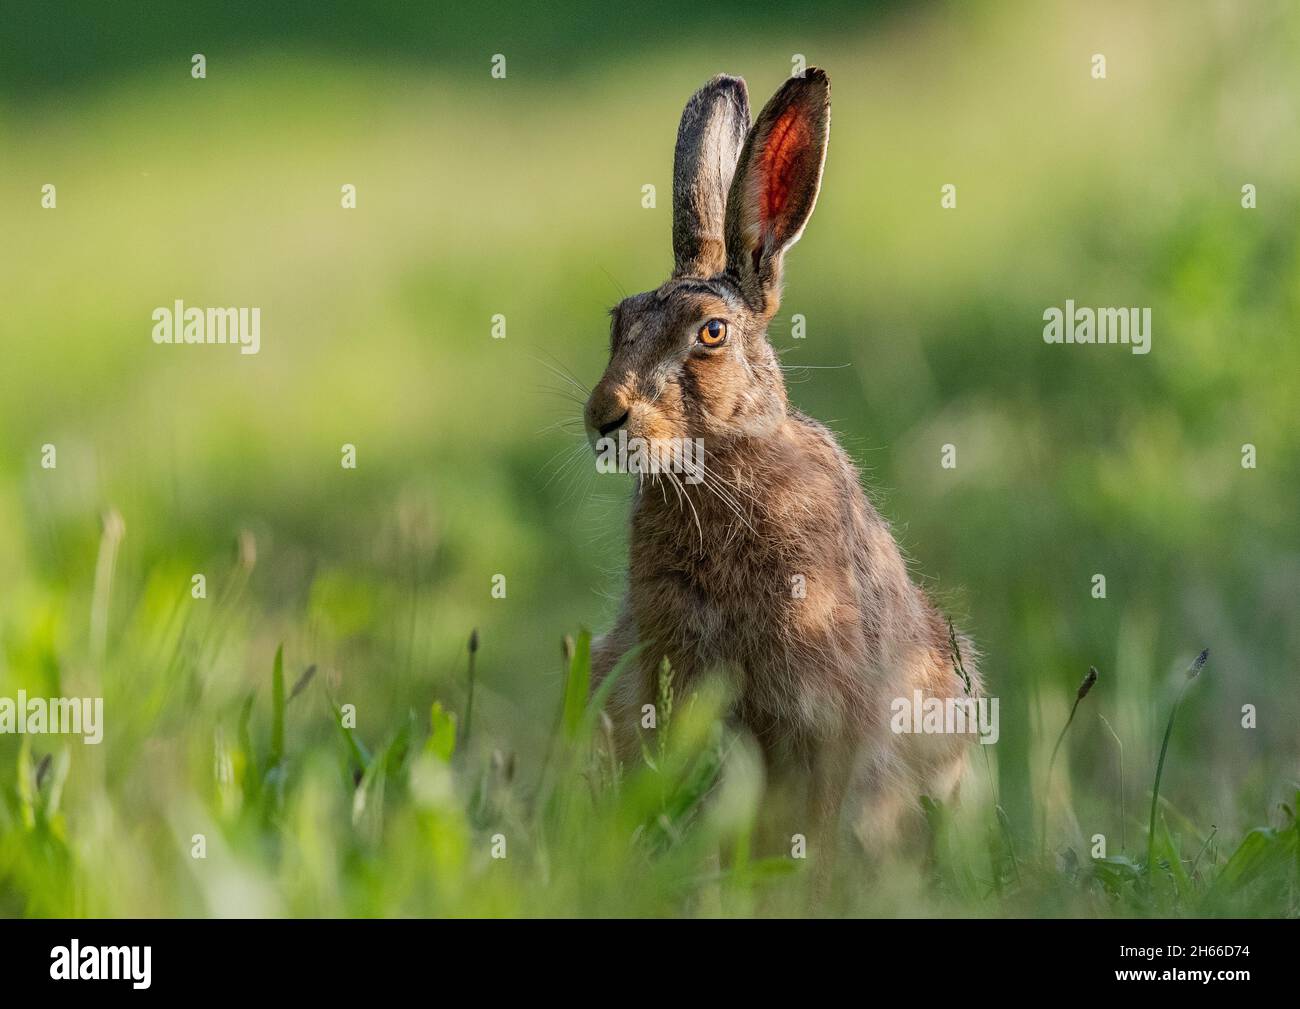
(776, 184)
(708, 146)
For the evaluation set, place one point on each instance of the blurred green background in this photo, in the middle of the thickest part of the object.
(522, 196)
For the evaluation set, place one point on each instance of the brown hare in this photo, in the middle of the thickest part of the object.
(771, 567)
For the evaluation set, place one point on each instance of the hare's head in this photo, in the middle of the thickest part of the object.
(691, 359)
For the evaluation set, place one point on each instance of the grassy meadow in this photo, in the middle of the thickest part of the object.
(522, 197)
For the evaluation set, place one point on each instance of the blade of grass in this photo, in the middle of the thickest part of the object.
(301, 683)
(357, 751)
(277, 709)
(1123, 819)
(442, 733)
(1193, 671)
(469, 701)
(1088, 680)
(999, 814)
(578, 686)
(251, 779)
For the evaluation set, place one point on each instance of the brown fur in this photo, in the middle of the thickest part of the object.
(711, 565)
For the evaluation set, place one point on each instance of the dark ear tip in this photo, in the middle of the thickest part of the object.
(812, 87)
(733, 86)
(816, 75)
(726, 80)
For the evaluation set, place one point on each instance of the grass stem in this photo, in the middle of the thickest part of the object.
(1123, 818)
(1193, 671)
(1088, 680)
(469, 702)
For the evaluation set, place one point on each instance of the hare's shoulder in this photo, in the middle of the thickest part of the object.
(820, 440)
(822, 449)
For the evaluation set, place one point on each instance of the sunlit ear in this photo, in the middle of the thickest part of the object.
(776, 184)
(709, 139)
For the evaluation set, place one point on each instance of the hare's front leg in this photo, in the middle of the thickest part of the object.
(630, 690)
(803, 803)
(832, 772)
(611, 646)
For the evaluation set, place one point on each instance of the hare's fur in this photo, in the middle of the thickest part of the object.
(715, 568)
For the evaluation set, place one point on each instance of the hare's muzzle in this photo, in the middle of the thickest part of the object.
(606, 412)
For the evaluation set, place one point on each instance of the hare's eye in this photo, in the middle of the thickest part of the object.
(713, 332)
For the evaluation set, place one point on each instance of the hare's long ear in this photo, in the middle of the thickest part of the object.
(708, 146)
(776, 185)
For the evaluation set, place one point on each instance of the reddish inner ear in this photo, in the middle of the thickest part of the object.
(789, 137)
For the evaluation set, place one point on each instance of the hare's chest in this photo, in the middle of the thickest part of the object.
(784, 628)
(714, 615)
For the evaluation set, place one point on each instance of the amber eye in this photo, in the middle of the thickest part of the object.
(713, 332)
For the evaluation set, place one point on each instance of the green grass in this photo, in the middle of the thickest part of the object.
(523, 198)
(409, 824)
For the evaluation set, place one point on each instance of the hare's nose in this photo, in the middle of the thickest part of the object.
(607, 409)
(613, 425)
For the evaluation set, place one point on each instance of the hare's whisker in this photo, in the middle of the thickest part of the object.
(722, 496)
(562, 393)
(622, 292)
(698, 527)
(570, 455)
(567, 425)
(558, 369)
